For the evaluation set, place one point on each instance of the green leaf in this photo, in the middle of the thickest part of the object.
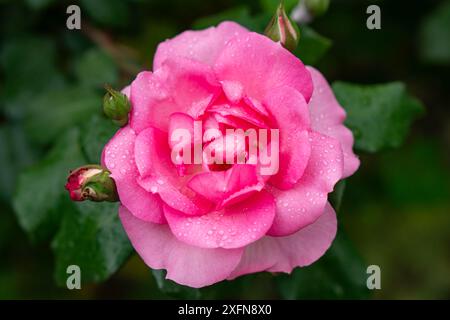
(172, 289)
(336, 196)
(312, 46)
(95, 68)
(29, 69)
(240, 14)
(339, 274)
(10, 284)
(380, 115)
(435, 35)
(16, 154)
(431, 186)
(54, 111)
(41, 188)
(91, 237)
(39, 4)
(107, 12)
(97, 132)
(8, 228)
(256, 286)
(270, 6)
(23, 59)
(88, 234)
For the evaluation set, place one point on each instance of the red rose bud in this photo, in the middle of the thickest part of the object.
(317, 7)
(116, 106)
(282, 29)
(91, 182)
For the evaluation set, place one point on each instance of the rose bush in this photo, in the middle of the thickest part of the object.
(204, 223)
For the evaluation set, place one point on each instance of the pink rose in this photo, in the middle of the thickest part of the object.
(205, 223)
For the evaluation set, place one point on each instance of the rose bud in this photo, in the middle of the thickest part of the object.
(91, 182)
(116, 106)
(282, 29)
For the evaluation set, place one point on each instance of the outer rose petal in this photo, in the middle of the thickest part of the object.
(327, 117)
(180, 85)
(118, 157)
(203, 46)
(261, 65)
(185, 264)
(290, 111)
(233, 227)
(146, 95)
(303, 204)
(282, 254)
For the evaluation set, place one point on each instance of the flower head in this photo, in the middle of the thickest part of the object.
(195, 199)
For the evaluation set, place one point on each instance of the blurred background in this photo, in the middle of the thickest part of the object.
(395, 209)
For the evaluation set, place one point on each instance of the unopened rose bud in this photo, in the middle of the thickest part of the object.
(317, 7)
(91, 182)
(282, 29)
(116, 106)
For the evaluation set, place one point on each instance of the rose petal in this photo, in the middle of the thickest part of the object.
(182, 121)
(256, 106)
(233, 90)
(233, 227)
(203, 46)
(222, 186)
(192, 84)
(303, 204)
(211, 129)
(283, 254)
(327, 117)
(241, 112)
(290, 111)
(147, 96)
(158, 174)
(261, 65)
(118, 157)
(180, 85)
(185, 264)
(225, 150)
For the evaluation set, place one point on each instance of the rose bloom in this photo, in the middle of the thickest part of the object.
(205, 223)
